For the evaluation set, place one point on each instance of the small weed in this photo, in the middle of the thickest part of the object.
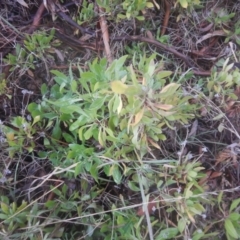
(132, 8)
(188, 3)
(34, 49)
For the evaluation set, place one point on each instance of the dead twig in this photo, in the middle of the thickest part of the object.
(65, 17)
(166, 17)
(75, 43)
(202, 73)
(207, 28)
(105, 35)
(37, 18)
(185, 58)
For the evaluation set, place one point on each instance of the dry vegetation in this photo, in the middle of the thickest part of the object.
(119, 119)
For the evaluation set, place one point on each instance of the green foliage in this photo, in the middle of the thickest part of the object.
(3, 86)
(231, 223)
(35, 46)
(237, 32)
(163, 39)
(87, 12)
(96, 128)
(234, 35)
(128, 9)
(120, 112)
(132, 8)
(221, 17)
(20, 60)
(231, 218)
(115, 107)
(188, 203)
(188, 3)
(20, 136)
(38, 42)
(111, 115)
(223, 82)
(13, 216)
(168, 233)
(107, 4)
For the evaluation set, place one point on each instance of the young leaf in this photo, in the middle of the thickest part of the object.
(118, 87)
(36, 119)
(3, 216)
(56, 133)
(116, 174)
(102, 137)
(74, 86)
(80, 132)
(168, 233)
(97, 103)
(44, 89)
(88, 134)
(170, 88)
(234, 204)
(4, 208)
(110, 133)
(184, 3)
(234, 216)
(138, 117)
(78, 169)
(133, 75)
(164, 74)
(182, 223)
(119, 108)
(117, 104)
(94, 171)
(151, 68)
(133, 186)
(231, 229)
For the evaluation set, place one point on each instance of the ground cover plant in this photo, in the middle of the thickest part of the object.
(119, 119)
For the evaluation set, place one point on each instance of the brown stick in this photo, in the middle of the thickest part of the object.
(202, 73)
(105, 35)
(166, 17)
(36, 19)
(185, 58)
(65, 17)
(75, 43)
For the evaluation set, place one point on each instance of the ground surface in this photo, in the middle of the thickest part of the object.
(78, 161)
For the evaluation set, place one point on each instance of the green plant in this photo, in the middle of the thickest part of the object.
(3, 86)
(133, 7)
(121, 109)
(121, 150)
(39, 42)
(188, 203)
(234, 35)
(222, 83)
(87, 12)
(13, 216)
(237, 32)
(35, 46)
(221, 17)
(106, 122)
(21, 60)
(188, 3)
(231, 218)
(19, 136)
